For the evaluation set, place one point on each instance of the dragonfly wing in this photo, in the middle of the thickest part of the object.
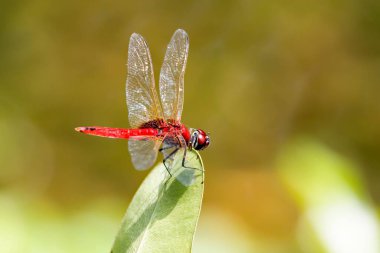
(142, 98)
(143, 152)
(172, 75)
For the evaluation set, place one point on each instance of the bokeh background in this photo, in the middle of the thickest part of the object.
(288, 90)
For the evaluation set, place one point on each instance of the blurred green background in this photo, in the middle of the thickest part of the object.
(288, 90)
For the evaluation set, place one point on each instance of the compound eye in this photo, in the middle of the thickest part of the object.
(201, 139)
(206, 142)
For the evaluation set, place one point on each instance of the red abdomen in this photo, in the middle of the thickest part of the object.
(118, 132)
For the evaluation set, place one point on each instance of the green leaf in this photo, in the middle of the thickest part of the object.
(163, 214)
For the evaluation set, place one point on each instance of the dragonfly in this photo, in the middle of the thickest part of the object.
(156, 126)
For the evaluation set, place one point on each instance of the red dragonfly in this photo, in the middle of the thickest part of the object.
(156, 126)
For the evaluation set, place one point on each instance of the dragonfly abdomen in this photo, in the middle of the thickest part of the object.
(121, 133)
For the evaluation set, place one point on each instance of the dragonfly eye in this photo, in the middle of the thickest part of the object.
(200, 140)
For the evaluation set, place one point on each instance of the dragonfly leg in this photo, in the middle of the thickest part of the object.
(187, 167)
(165, 148)
(168, 156)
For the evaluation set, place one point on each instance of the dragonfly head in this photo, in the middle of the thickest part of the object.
(199, 139)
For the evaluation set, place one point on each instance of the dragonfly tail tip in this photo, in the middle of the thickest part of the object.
(80, 129)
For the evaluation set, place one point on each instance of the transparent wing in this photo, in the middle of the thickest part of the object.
(143, 152)
(142, 99)
(172, 75)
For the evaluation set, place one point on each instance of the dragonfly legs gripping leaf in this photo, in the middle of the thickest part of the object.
(187, 167)
(176, 147)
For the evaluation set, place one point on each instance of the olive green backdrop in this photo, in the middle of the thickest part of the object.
(288, 91)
